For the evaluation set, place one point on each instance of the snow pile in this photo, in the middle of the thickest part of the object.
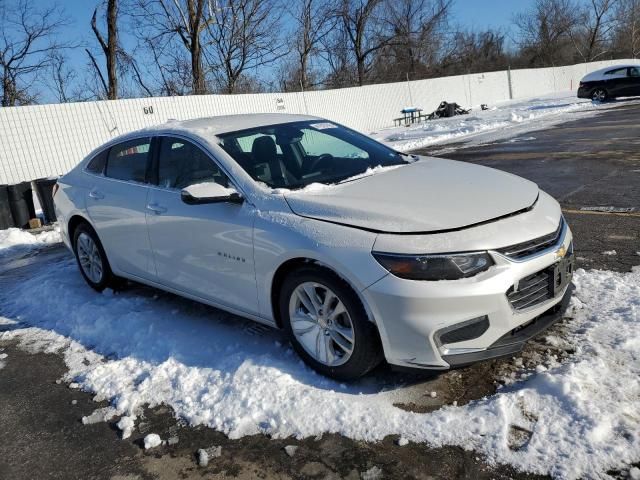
(152, 440)
(576, 419)
(14, 239)
(504, 120)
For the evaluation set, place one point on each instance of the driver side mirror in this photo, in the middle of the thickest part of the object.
(209, 192)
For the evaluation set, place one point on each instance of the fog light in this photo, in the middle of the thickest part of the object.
(463, 331)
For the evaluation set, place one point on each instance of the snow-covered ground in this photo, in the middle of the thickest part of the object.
(141, 347)
(504, 120)
(14, 240)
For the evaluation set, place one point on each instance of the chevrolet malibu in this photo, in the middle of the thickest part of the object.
(358, 252)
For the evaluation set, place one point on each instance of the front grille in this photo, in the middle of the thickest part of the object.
(532, 290)
(530, 247)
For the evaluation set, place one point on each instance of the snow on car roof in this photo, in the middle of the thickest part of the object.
(597, 74)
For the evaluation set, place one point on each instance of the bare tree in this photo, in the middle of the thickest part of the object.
(591, 37)
(186, 19)
(27, 47)
(418, 28)
(62, 79)
(545, 31)
(314, 20)
(109, 48)
(366, 31)
(471, 52)
(243, 37)
(627, 31)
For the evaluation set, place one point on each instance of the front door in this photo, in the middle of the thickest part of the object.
(116, 203)
(201, 250)
(632, 86)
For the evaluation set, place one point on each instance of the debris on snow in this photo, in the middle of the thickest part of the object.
(374, 473)
(203, 458)
(126, 424)
(152, 440)
(291, 450)
(100, 415)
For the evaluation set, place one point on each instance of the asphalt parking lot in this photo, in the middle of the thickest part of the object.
(586, 164)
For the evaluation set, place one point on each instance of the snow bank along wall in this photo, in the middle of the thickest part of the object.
(45, 140)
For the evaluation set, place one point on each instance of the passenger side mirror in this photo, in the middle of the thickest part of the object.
(209, 192)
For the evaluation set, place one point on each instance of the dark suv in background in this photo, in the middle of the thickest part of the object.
(611, 82)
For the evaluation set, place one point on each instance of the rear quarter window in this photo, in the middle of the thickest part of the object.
(97, 163)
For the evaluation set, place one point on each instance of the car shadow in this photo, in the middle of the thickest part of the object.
(154, 326)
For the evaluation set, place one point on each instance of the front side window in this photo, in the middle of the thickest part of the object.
(181, 164)
(294, 155)
(128, 160)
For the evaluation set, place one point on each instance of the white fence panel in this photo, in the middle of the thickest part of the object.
(44, 140)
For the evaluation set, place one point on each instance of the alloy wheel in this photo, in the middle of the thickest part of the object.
(321, 324)
(599, 95)
(90, 258)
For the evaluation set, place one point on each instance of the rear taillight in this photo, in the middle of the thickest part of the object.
(55, 189)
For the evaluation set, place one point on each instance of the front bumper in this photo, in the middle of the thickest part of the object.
(512, 342)
(410, 313)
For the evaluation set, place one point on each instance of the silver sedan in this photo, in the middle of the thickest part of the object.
(358, 252)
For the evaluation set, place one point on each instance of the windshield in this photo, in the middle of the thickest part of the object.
(294, 155)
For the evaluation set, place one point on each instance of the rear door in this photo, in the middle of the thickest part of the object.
(201, 250)
(116, 205)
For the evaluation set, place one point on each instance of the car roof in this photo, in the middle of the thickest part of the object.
(213, 126)
(602, 71)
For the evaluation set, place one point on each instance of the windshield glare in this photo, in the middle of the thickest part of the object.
(294, 155)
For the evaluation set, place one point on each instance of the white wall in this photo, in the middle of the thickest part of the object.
(47, 140)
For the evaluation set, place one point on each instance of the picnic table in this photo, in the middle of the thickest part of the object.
(409, 115)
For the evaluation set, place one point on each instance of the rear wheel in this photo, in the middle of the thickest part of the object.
(599, 95)
(327, 324)
(91, 258)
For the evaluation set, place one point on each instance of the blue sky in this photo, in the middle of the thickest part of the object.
(475, 14)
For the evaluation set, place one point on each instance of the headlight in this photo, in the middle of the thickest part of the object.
(434, 267)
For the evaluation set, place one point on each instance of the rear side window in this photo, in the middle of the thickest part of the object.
(128, 160)
(617, 71)
(97, 163)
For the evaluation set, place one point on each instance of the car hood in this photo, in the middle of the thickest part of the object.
(430, 195)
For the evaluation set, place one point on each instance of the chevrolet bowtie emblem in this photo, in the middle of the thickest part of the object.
(561, 252)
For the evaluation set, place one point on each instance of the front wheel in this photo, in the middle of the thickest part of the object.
(599, 95)
(327, 324)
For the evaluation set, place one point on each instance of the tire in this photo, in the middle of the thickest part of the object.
(88, 251)
(329, 331)
(599, 95)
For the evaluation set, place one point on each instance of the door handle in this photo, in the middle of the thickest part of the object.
(155, 208)
(95, 194)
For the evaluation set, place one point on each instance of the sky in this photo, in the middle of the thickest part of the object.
(474, 14)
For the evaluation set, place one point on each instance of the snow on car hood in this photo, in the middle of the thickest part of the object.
(426, 196)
